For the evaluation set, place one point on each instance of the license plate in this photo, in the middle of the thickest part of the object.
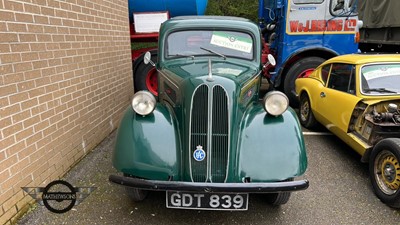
(209, 201)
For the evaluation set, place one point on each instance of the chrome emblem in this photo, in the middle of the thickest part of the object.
(199, 154)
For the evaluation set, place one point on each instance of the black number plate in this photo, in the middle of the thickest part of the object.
(209, 201)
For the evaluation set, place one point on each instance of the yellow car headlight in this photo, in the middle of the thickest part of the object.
(143, 103)
(275, 103)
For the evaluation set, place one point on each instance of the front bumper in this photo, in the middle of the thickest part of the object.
(156, 185)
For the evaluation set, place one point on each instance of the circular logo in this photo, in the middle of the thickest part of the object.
(59, 196)
(199, 154)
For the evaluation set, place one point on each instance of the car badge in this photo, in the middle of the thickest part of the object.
(199, 154)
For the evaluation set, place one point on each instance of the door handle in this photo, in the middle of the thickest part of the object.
(322, 95)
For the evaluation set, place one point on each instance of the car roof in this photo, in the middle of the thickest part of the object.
(364, 58)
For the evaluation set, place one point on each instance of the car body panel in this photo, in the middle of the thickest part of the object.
(284, 158)
(209, 129)
(336, 109)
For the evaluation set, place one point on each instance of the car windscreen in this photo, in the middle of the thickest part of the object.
(195, 43)
(380, 79)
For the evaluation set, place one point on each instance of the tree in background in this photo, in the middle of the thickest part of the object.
(241, 8)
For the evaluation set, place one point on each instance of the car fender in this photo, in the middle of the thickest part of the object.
(147, 146)
(271, 148)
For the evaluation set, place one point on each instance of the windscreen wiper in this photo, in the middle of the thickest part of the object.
(381, 90)
(182, 56)
(214, 52)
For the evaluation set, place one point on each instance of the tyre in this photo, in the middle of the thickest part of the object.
(277, 199)
(306, 115)
(145, 76)
(135, 194)
(301, 68)
(384, 169)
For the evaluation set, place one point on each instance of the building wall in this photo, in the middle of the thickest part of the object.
(65, 80)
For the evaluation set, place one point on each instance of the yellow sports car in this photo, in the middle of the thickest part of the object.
(357, 97)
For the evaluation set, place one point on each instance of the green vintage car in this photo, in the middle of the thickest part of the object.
(208, 139)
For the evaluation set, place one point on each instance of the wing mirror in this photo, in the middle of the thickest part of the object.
(147, 59)
(271, 61)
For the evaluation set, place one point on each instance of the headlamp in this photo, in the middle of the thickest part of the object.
(143, 103)
(275, 103)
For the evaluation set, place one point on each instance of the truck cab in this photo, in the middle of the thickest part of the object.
(302, 34)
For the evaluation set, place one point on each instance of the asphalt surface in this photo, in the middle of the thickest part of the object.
(340, 193)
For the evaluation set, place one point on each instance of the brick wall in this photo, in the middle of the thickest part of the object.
(65, 79)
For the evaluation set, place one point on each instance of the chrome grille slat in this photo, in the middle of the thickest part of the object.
(219, 136)
(199, 130)
(214, 167)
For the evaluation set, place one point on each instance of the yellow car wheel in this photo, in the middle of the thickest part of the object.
(385, 171)
(306, 116)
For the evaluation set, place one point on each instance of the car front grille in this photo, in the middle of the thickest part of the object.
(209, 128)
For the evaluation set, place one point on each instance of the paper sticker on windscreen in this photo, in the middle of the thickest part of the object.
(232, 42)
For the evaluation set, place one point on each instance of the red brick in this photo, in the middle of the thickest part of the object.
(19, 97)
(41, 126)
(27, 37)
(29, 56)
(4, 48)
(10, 58)
(32, 8)
(33, 74)
(22, 17)
(6, 217)
(24, 66)
(41, 19)
(5, 69)
(7, 16)
(38, 109)
(27, 85)
(33, 139)
(18, 167)
(35, 28)
(4, 143)
(31, 121)
(10, 110)
(13, 78)
(36, 92)
(21, 116)
(14, 149)
(20, 47)
(17, 27)
(5, 164)
(12, 129)
(24, 134)
(14, 6)
(8, 204)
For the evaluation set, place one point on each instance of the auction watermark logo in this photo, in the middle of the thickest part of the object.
(59, 196)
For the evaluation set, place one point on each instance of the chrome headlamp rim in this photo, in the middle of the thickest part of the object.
(143, 103)
(275, 103)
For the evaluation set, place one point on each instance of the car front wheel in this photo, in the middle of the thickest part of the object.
(307, 118)
(384, 167)
(135, 194)
(277, 199)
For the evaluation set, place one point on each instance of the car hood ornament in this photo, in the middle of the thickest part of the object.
(210, 78)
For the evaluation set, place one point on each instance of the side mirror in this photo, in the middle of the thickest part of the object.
(147, 59)
(271, 60)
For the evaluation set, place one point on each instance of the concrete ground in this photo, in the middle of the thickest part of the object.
(339, 193)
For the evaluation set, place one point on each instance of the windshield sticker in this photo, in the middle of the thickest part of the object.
(232, 42)
(375, 72)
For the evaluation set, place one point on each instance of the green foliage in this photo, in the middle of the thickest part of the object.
(241, 8)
